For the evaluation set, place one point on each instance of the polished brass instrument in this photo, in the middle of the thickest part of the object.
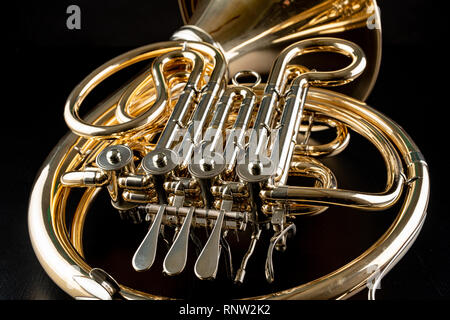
(198, 161)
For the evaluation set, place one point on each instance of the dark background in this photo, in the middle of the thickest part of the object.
(48, 60)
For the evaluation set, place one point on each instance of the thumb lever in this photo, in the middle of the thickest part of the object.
(269, 263)
(208, 261)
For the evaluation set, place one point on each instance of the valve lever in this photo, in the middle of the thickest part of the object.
(227, 255)
(208, 261)
(240, 274)
(145, 254)
(175, 260)
(269, 263)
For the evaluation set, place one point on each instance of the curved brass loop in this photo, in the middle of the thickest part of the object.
(257, 164)
(321, 78)
(332, 148)
(82, 128)
(325, 179)
(246, 73)
(156, 147)
(361, 200)
(310, 168)
(158, 71)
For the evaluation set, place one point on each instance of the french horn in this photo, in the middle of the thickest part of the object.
(224, 155)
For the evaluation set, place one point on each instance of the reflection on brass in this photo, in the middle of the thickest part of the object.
(197, 144)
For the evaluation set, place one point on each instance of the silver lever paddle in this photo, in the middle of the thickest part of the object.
(208, 261)
(145, 254)
(175, 260)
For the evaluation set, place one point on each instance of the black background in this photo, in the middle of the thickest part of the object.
(48, 60)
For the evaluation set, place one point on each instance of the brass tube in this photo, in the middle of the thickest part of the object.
(361, 200)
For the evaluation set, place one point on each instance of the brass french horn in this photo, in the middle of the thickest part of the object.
(181, 176)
